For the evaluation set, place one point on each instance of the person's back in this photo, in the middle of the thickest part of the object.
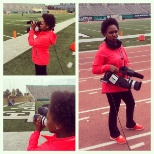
(60, 120)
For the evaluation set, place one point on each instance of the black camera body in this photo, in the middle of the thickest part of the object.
(42, 111)
(120, 81)
(37, 28)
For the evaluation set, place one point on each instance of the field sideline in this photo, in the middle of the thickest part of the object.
(128, 27)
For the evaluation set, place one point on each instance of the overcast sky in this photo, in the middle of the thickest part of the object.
(21, 82)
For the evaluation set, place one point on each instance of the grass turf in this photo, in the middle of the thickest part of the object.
(17, 22)
(125, 42)
(19, 125)
(132, 27)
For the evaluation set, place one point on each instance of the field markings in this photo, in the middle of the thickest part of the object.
(137, 145)
(114, 142)
(137, 46)
(85, 118)
(92, 77)
(93, 93)
(129, 63)
(128, 57)
(107, 107)
(83, 35)
(120, 37)
(82, 80)
(105, 113)
(133, 52)
(7, 36)
(84, 91)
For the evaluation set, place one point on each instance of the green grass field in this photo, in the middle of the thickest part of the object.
(18, 22)
(23, 65)
(132, 27)
(14, 125)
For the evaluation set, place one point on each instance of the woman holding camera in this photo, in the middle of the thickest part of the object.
(45, 38)
(60, 121)
(110, 57)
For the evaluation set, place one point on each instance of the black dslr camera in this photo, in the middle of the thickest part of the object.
(37, 28)
(42, 111)
(120, 81)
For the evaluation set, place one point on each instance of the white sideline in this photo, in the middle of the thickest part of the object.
(113, 142)
(120, 37)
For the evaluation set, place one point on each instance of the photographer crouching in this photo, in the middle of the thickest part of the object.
(60, 120)
(45, 37)
(112, 60)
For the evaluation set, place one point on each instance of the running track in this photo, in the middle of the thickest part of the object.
(93, 106)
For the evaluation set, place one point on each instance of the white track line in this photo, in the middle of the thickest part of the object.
(93, 93)
(128, 57)
(83, 91)
(130, 64)
(113, 142)
(105, 112)
(101, 75)
(137, 145)
(125, 47)
(83, 118)
(82, 80)
(127, 53)
(89, 90)
(106, 107)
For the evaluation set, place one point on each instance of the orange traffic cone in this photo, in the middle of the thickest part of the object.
(14, 34)
(121, 33)
(141, 38)
(72, 47)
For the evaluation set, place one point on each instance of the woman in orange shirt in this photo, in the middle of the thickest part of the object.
(60, 121)
(110, 57)
(45, 38)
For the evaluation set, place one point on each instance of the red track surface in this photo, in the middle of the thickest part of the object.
(93, 124)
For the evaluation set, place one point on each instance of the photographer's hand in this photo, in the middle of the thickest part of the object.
(33, 25)
(114, 69)
(38, 124)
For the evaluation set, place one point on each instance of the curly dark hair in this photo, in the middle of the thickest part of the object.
(62, 108)
(106, 23)
(49, 20)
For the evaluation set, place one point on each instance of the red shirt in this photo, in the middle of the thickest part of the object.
(106, 57)
(41, 44)
(52, 144)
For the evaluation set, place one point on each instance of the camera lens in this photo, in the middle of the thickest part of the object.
(36, 116)
(44, 121)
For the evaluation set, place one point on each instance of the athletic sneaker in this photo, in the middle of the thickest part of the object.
(137, 127)
(120, 139)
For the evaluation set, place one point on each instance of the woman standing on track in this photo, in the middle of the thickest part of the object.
(45, 38)
(110, 57)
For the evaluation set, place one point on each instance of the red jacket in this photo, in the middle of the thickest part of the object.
(52, 144)
(41, 44)
(106, 57)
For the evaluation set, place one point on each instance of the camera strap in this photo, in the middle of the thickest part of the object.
(119, 119)
(58, 60)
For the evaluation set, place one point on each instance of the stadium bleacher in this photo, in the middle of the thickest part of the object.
(21, 7)
(41, 92)
(135, 9)
(98, 9)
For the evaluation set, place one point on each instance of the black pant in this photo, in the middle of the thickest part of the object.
(114, 100)
(40, 69)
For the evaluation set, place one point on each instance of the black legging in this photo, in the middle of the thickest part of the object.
(40, 69)
(127, 97)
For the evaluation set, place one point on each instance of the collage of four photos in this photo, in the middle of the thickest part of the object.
(76, 76)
